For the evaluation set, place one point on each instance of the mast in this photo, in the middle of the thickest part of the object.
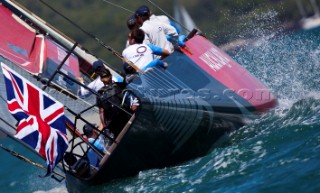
(315, 8)
(312, 21)
(301, 9)
(184, 19)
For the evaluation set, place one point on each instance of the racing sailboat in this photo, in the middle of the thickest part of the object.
(183, 19)
(184, 110)
(311, 21)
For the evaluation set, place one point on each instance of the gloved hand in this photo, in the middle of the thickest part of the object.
(169, 38)
(181, 40)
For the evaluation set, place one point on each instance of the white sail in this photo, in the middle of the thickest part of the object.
(183, 18)
(312, 21)
(301, 9)
(315, 8)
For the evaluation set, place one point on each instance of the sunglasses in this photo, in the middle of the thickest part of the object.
(105, 76)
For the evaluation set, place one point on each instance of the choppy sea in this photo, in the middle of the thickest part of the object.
(279, 152)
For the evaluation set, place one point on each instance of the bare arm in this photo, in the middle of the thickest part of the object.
(101, 114)
(164, 54)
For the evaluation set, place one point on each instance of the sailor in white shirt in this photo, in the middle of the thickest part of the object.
(131, 24)
(96, 84)
(155, 30)
(164, 19)
(142, 54)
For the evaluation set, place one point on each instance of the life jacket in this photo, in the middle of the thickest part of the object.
(110, 97)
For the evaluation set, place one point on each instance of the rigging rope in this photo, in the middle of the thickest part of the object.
(155, 5)
(3, 98)
(2, 119)
(94, 37)
(164, 12)
(119, 6)
(28, 147)
(29, 161)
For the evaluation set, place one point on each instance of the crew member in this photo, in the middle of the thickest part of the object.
(97, 140)
(142, 54)
(155, 31)
(96, 84)
(115, 104)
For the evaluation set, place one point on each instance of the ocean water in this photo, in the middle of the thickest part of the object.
(279, 152)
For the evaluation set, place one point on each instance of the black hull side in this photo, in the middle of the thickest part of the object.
(150, 144)
(161, 136)
(176, 122)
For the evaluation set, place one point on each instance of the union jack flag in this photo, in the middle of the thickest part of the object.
(41, 119)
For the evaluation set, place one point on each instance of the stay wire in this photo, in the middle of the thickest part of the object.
(155, 5)
(13, 153)
(119, 6)
(167, 14)
(79, 27)
(3, 98)
(7, 133)
(93, 36)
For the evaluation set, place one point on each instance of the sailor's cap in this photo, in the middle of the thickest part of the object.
(87, 130)
(97, 64)
(143, 10)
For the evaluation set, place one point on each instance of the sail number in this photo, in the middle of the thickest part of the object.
(215, 59)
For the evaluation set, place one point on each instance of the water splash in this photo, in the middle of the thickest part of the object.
(289, 64)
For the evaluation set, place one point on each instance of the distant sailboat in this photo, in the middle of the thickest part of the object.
(183, 18)
(312, 21)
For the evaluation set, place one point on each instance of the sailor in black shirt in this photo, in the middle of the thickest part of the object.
(115, 104)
